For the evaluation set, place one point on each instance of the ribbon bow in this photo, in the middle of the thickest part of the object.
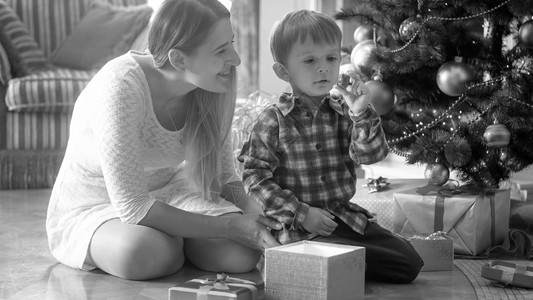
(439, 235)
(376, 185)
(449, 189)
(222, 282)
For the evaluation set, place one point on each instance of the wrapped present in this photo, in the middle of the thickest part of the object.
(508, 273)
(436, 250)
(380, 203)
(314, 270)
(219, 287)
(474, 222)
(518, 192)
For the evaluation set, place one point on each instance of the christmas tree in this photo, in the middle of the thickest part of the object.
(452, 81)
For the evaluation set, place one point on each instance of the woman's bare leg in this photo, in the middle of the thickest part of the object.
(221, 255)
(135, 252)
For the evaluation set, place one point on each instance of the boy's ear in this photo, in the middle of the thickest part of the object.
(281, 71)
(177, 59)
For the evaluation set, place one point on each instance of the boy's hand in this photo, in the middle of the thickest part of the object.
(319, 221)
(355, 94)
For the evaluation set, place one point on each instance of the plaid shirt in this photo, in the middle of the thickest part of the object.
(299, 155)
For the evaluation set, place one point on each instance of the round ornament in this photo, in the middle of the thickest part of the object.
(437, 173)
(497, 135)
(453, 76)
(410, 27)
(363, 33)
(525, 34)
(362, 55)
(381, 96)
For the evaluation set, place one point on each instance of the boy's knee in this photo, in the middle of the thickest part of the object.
(411, 267)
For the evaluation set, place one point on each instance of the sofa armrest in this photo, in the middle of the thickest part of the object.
(5, 76)
(5, 68)
(3, 119)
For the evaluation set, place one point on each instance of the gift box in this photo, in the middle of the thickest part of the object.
(313, 270)
(508, 273)
(219, 287)
(474, 222)
(380, 203)
(436, 250)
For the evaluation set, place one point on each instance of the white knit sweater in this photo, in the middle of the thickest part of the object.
(119, 160)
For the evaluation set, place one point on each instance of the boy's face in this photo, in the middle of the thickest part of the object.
(312, 68)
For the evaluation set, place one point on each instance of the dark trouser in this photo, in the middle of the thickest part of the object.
(389, 257)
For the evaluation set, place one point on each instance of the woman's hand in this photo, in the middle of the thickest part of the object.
(253, 231)
(355, 93)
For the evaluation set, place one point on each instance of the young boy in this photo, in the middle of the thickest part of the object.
(301, 156)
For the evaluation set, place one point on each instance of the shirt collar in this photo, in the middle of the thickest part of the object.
(287, 102)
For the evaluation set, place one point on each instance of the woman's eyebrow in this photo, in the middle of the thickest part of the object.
(223, 45)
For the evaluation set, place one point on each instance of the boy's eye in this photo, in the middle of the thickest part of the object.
(309, 60)
(332, 58)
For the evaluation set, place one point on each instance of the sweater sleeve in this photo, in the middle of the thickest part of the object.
(368, 144)
(119, 113)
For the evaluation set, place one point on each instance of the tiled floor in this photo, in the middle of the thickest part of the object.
(28, 271)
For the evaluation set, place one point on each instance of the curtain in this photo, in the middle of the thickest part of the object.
(245, 21)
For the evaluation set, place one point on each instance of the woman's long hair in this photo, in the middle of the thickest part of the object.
(184, 25)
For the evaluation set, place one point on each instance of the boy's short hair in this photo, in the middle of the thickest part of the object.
(299, 25)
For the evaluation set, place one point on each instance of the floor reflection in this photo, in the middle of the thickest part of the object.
(28, 271)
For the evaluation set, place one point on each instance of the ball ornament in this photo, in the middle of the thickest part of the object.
(497, 136)
(381, 96)
(437, 173)
(453, 76)
(363, 33)
(362, 55)
(409, 28)
(525, 34)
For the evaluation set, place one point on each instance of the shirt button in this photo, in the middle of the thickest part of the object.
(318, 147)
(308, 114)
(323, 178)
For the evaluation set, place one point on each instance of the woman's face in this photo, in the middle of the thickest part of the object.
(212, 65)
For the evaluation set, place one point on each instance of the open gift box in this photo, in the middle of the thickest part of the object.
(312, 270)
(436, 250)
(508, 273)
(474, 222)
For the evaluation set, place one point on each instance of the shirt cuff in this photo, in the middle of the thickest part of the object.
(364, 114)
(299, 215)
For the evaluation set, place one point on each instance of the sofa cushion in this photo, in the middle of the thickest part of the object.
(105, 32)
(30, 54)
(53, 90)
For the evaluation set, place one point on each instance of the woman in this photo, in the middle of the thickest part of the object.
(148, 177)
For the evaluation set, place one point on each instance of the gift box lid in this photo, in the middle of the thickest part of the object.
(508, 273)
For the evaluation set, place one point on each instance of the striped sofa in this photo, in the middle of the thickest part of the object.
(36, 111)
